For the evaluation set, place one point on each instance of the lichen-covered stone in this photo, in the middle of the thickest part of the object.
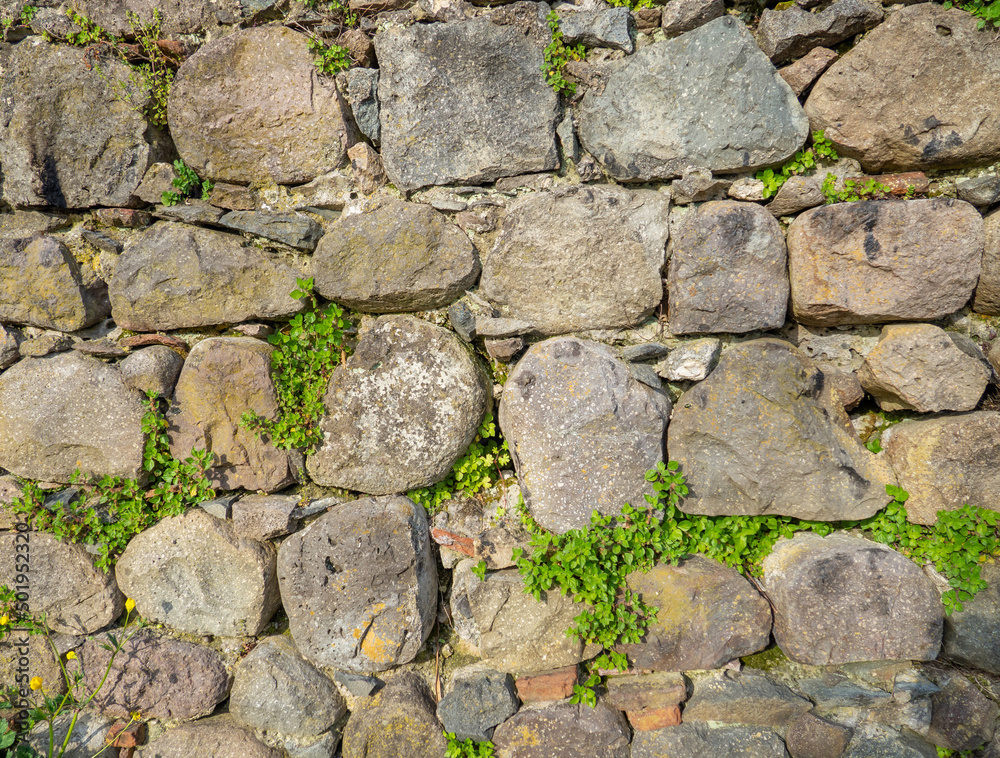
(751, 699)
(696, 100)
(398, 720)
(251, 106)
(359, 585)
(69, 412)
(195, 574)
(219, 737)
(41, 284)
(582, 431)
(463, 102)
(581, 257)
(223, 378)
(401, 411)
(562, 730)
(395, 257)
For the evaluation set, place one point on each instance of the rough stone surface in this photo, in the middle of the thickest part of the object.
(218, 736)
(613, 28)
(946, 462)
(579, 258)
(823, 616)
(193, 573)
(10, 341)
(251, 106)
(65, 139)
(463, 102)
(551, 685)
(68, 412)
(727, 271)
(398, 720)
(177, 16)
(796, 194)
(359, 585)
(401, 411)
(563, 731)
(41, 284)
(175, 276)
(987, 299)
(707, 615)
(972, 635)
(76, 597)
(686, 15)
(396, 257)
(87, 736)
(691, 361)
(981, 191)
(918, 367)
(477, 702)
(884, 260)
(145, 676)
(806, 70)
(362, 91)
(878, 741)
(293, 229)
(691, 740)
(515, 632)
(934, 113)
(810, 736)
(638, 692)
(264, 517)
(275, 690)
(963, 717)
(733, 432)
(570, 410)
(793, 32)
(719, 86)
(751, 699)
(223, 378)
(152, 369)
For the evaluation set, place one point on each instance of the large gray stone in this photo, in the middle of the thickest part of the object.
(842, 598)
(161, 677)
(223, 378)
(463, 102)
(697, 100)
(612, 28)
(219, 737)
(152, 369)
(293, 229)
(582, 431)
(41, 284)
(398, 721)
(757, 438)
(793, 32)
(963, 717)
(579, 258)
(751, 699)
(479, 700)
(946, 462)
(987, 299)
(359, 585)
(401, 411)
(728, 270)
(395, 257)
(919, 367)
(707, 614)
(63, 582)
(275, 690)
(696, 740)
(195, 574)
(175, 276)
(972, 635)
(69, 412)
(512, 630)
(883, 260)
(176, 16)
(66, 139)
(562, 730)
(251, 106)
(934, 112)
(84, 741)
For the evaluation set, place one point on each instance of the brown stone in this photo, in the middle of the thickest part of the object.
(457, 542)
(124, 734)
(126, 218)
(812, 737)
(654, 718)
(141, 340)
(987, 299)
(232, 197)
(807, 69)
(643, 692)
(359, 47)
(553, 685)
(368, 170)
(910, 182)
(646, 18)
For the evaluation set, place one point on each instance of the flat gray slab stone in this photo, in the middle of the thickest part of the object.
(463, 102)
(709, 98)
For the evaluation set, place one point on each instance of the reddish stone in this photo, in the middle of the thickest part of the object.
(654, 718)
(801, 74)
(172, 48)
(126, 218)
(899, 184)
(646, 18)
(141, 340)
(554, 685)
(457, 542)
(122, 734)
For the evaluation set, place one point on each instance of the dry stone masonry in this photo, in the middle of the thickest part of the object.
(584, 243)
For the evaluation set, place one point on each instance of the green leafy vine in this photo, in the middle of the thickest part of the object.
(557, 54)
(804, 160)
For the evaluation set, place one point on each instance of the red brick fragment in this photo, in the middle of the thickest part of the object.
(899, 184)
(125, 735)
(141, 340)
(654, 718)
(553, 685)
(457, 542)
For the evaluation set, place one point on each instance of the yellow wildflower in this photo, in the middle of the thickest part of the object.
(4, 620)
(70, 656)
(35, 683)
(130, 605)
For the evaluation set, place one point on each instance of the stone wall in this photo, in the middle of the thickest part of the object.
(599, 269)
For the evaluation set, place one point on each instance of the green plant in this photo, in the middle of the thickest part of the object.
(557, 54)
(854, 190)
(467, 748)
(187, 184)
(803, 161)
(479, 570)
(27, 14)
(472, 472)
(330, 59)
(89, 32)
(307, 351)
(987, 11)
(113, 509)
